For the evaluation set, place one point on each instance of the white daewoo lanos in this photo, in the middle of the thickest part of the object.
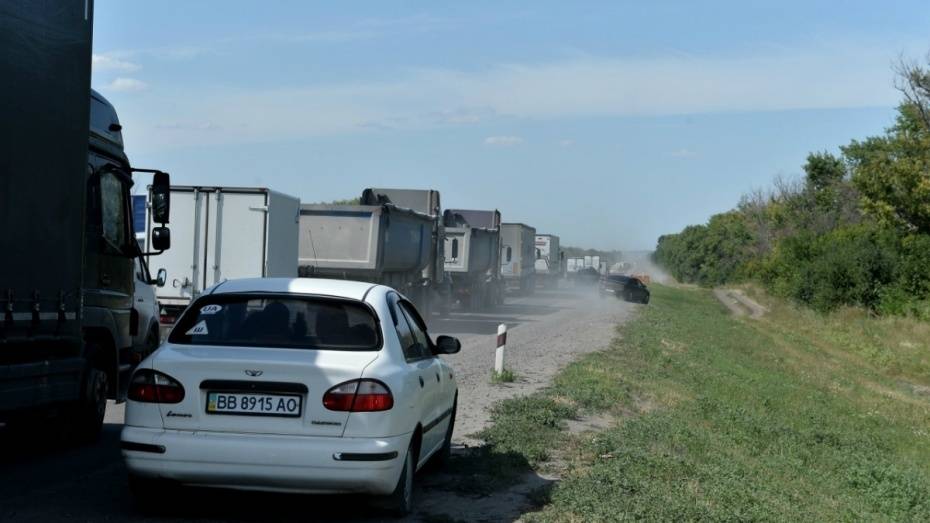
(292, 385)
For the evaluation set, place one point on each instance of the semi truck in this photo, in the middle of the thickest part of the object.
(393, 237)
(222, 233)
(472, 257)
(68, 249)
(518, 256)
(549, 264)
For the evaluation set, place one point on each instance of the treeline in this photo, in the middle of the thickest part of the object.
(854, 231)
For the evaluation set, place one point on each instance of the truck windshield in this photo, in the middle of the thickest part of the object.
(278, 321)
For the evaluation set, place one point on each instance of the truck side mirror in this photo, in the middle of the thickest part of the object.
(161, 238)
(161, 198)
(162, 277)
(455, 249)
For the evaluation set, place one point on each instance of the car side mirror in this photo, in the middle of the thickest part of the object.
(447, 345)
(161, 238)
(161, 198)
(162, 277)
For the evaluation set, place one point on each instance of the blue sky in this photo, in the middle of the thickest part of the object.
(608, 123)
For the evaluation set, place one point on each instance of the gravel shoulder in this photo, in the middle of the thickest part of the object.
(546, 331)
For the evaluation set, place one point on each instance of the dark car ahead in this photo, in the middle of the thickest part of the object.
(625, 287)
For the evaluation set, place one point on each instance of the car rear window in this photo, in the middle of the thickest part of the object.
(279, 321)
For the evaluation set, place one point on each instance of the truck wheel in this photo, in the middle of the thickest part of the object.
(85, 418)
(475, 301)
(151, 342)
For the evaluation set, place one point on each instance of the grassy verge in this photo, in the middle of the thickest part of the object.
(796, 416)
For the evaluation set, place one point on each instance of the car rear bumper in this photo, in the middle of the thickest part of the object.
(266, 462)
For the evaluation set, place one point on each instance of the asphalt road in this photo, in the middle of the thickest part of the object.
(44, 480)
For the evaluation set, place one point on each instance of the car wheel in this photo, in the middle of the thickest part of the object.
(400, 502)
(441, 458)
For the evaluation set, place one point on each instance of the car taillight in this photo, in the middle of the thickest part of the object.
(149, 386)
(359, 396)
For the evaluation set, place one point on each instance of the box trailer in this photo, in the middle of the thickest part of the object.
(518, 256)
(574, 264)
(549, 261)
(472, 257)
(222, 233)
(379, 241)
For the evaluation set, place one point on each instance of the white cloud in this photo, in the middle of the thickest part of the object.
(683, 153)
(816, 77)
(186, 126)
(127, 85)
(102, 62)
(503, 141)
(566, 143)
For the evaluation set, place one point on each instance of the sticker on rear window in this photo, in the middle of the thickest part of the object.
(210, 309)
(199, 329)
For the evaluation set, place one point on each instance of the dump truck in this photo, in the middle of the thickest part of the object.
(472, 257)
(380, 241)
(549, 264)
(222, 233)
(518, 256)
(68, 249)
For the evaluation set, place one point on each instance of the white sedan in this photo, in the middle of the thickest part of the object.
(292, 385)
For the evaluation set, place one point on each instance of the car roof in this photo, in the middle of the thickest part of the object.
(355, 290)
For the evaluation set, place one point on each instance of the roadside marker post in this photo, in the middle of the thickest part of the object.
(499, 353)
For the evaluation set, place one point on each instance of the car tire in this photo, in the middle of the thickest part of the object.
(442, 456)
(400, 502)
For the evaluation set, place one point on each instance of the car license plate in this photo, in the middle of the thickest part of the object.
(253, 404)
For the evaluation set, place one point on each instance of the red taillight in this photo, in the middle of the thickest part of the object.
(359, 396)
(148, 386)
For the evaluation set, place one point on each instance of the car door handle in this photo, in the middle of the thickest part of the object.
(421, 382)
(105, 280)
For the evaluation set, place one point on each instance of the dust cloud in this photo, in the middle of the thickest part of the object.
(641, 263)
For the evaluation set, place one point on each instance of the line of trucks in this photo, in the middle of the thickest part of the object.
(77, 310)
(403, 238)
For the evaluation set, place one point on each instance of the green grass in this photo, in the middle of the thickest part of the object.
(504, 376)
(797, 416)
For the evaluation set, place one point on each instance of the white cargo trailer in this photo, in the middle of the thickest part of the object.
(220, 233)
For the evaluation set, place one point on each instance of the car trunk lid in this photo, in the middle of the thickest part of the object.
(207, 372)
